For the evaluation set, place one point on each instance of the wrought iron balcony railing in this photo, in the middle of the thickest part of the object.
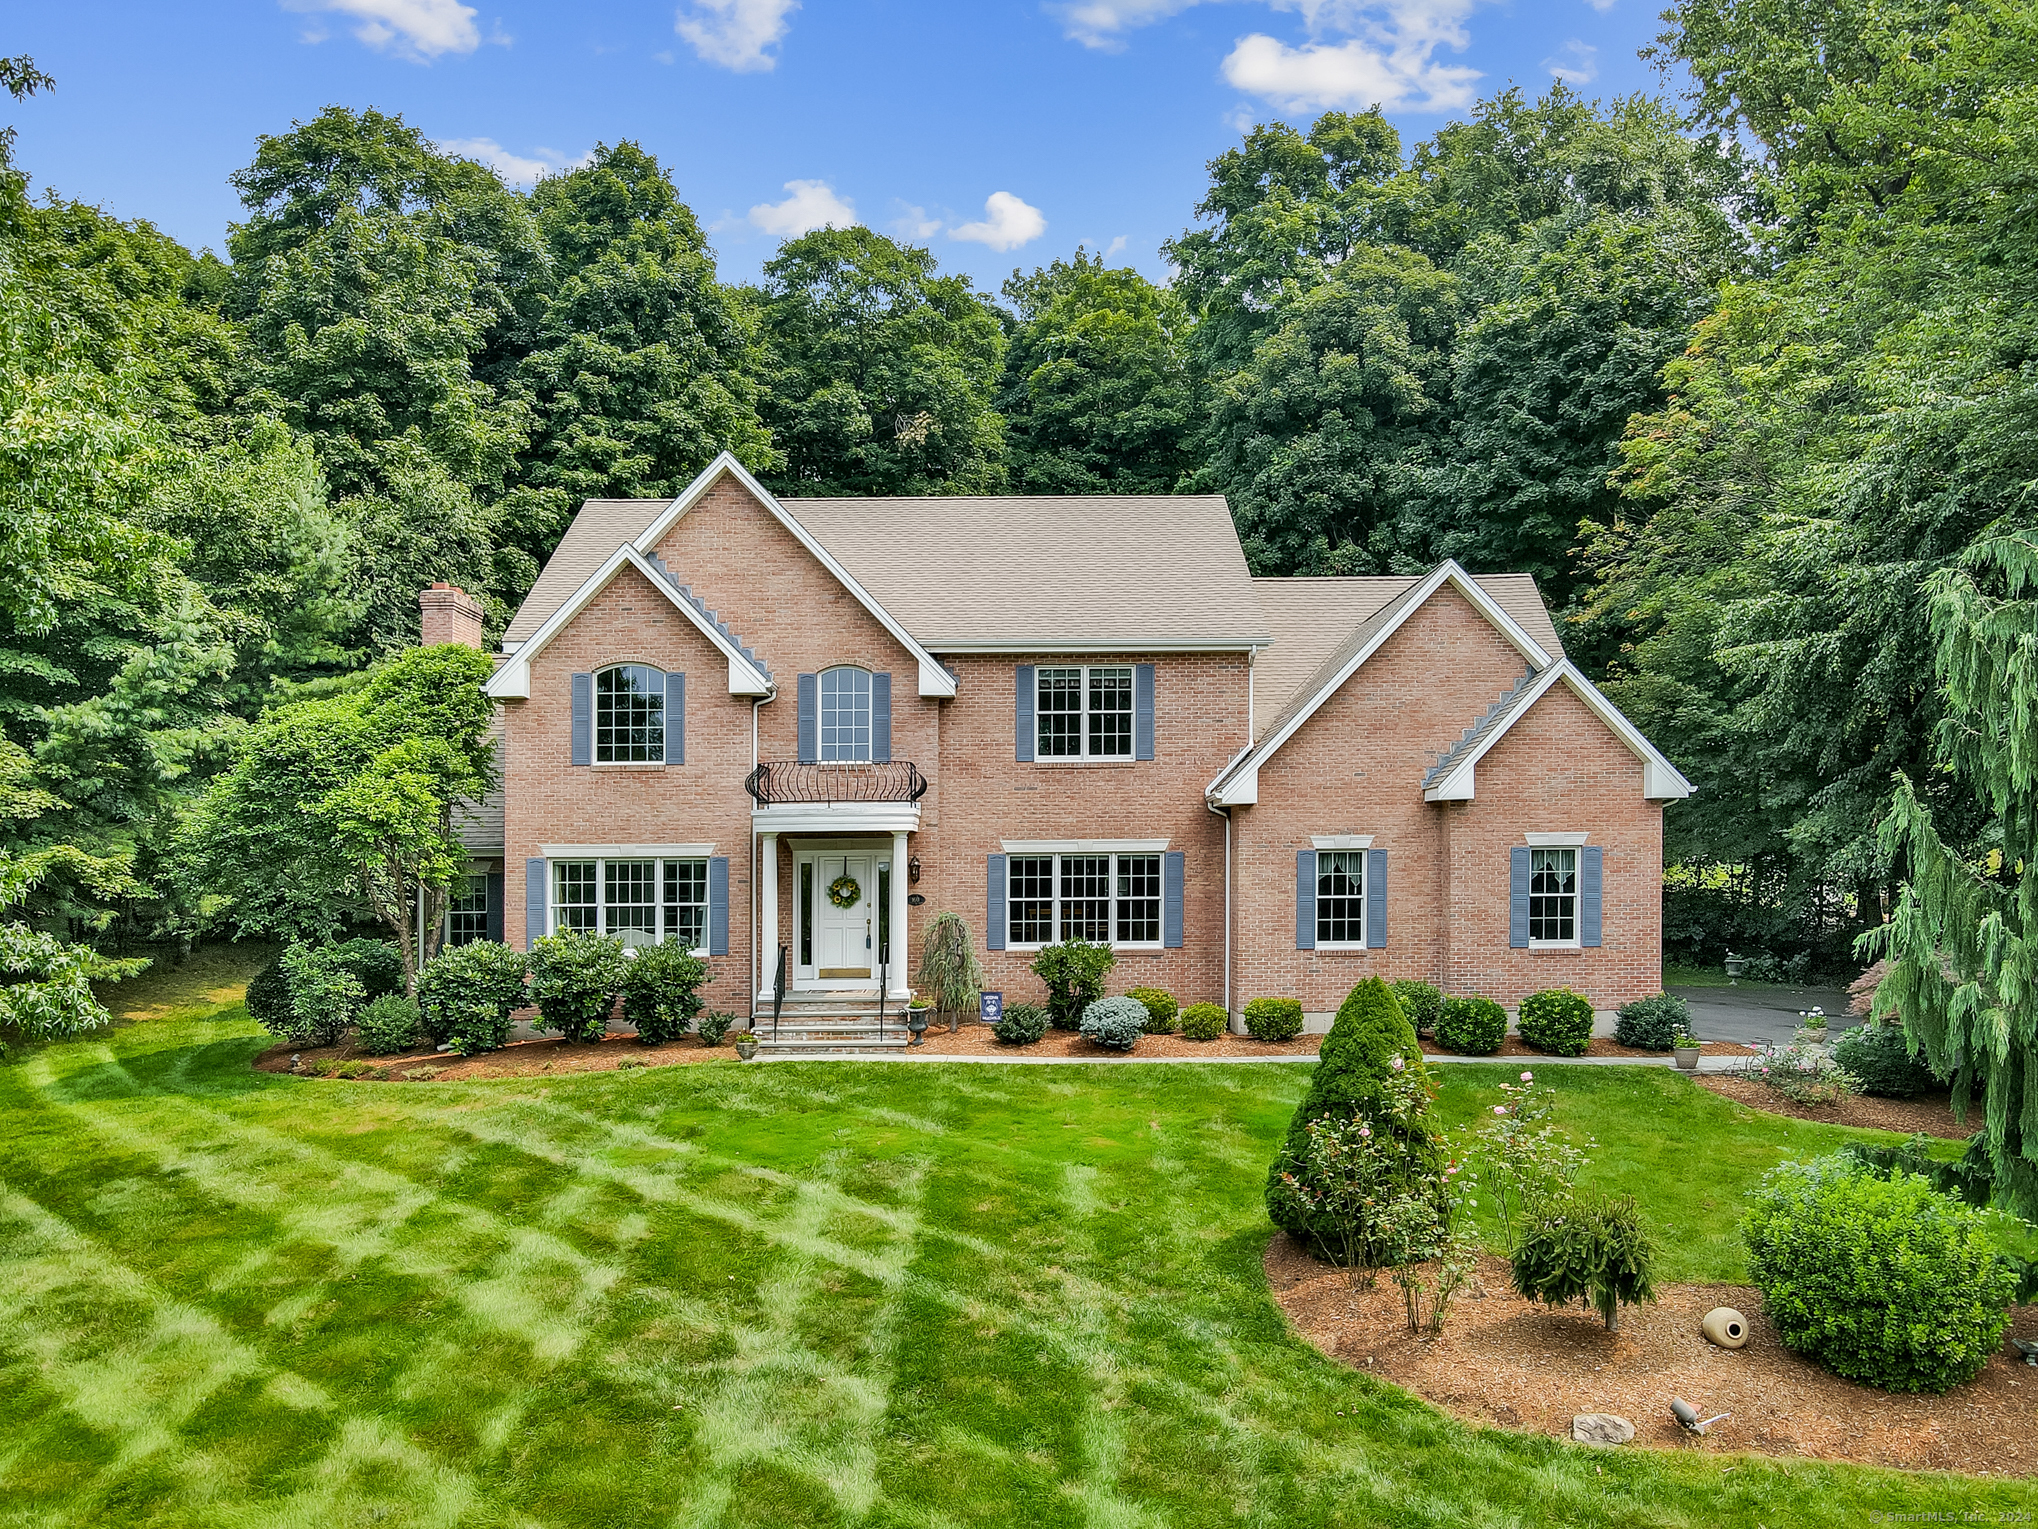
(778, 782)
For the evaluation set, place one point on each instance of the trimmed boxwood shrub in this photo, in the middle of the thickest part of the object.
(662, 991)
(1472, 1026)
(1882, 1280)
(375, 962)
(1273, 1019)
(1880, 1058)
(1204, 1021)
(1074, 972)
(389, 1025)
(1556, 1022)
(574, 981)
(1651, 1024)
(1422, 1003)
(466, 994)
(1161, 1009)
(1021, 1024)
(1117, 1023)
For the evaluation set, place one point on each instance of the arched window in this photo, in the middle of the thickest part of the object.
(629, 715)
(845, 714)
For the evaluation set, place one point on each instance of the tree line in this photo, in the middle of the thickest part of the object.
(1735, 374)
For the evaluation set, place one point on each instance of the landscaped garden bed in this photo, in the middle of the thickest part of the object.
(1932, 1113)
(1599, 1045)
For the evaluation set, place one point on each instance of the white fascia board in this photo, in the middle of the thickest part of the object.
(934, 680)
(1082, 846)
(968, 646)
(1662, 781)
(836, 818)
(512, 682)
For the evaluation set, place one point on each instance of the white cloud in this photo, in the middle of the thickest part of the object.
(416, 29)
(1602, 6)
(1114, 246)
(1391, 62)
(812, 205)
(1576, 63)
(914, 223)
(735, 33)
(514, 168)
(1104, 23)
(1008, 223)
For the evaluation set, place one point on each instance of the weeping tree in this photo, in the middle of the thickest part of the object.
(1963, 941)
(949, 971)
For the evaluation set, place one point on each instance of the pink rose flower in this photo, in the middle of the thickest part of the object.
(1528, 1077)
(1500, 1109)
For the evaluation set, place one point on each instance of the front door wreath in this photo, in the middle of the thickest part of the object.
(843, 892)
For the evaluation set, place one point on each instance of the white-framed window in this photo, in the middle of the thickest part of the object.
(1340, 899)
(467, 911)
(640, 902)
(845, 715)
(1553, 897)
(1083, 711)
(1109, 899)
(629, 715)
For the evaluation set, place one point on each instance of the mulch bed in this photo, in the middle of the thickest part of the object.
(1511, 1362)
(1599, 1045)
(1932, 1113)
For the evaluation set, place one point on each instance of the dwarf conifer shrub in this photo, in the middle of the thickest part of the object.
(1575, 1246)
(1651, 1024)
(466, 995)
(1074, 972)
(1021, 1024)
(1116, 1023)
(662, 992)
(389, 1025)
(1880, 1058)
(1422, 1003)
(1161, 1009)
(1472, 1026)
(1204, 1021)
(1556, 1022)
(1273, 1019)
(575, 978)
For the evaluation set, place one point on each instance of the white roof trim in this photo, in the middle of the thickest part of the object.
(1081, 846)
(1661, 780)
(934, 680)
(512, 680)
(1238, 784)
(1341, 841)
(968, 645)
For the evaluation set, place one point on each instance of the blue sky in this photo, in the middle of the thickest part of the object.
(999, 132)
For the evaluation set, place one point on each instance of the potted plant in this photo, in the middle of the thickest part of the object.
(918, 1009)
(1685, 1047)
(746, 1044)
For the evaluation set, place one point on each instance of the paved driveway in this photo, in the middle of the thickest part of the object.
(1759, 1013)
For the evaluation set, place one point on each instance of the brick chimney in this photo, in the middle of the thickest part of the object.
(449, 615)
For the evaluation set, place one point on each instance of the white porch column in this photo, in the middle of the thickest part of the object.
(767, 909)
(902, 947)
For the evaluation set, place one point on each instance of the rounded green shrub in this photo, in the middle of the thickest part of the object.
(268, 998)
(1273, 1019)
(1422, 1003)
(1472, 1026)
(1161, 1009)
(388, 1025)
(1021, 1024)
(1204, 1021)
(1577, 1246)
(575, 978)
(375, 962)
(662, 991)
(713, 1027)
(1880, 1058)
(1074, 972)
(1556, 1022)
(1882, 1280)
(325, 995)
(466, 995)
(1115, 1023)
(1651, 1024)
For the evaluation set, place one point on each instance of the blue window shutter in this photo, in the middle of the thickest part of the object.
(1305, 899)
(1591, 874)
(495, 890)
(1022, 724)
(718, 906)
(881, 718)
(534, 902)
(1142, 711)
(1376, 899)
(1171, 900)
(583, 719)
(1517, 896)
(994, 904)
(675, 718)
(810, 718)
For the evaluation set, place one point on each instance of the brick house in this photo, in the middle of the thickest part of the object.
(808, 725)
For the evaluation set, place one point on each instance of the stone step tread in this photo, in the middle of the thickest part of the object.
(845, 1048)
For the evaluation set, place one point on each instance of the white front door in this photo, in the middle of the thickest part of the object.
(844, 935)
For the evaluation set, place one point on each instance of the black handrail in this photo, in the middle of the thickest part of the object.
(778, 989)
(782, 781)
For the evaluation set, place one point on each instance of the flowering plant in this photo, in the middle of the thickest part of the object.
(1804, 1072)
(1522, 1156)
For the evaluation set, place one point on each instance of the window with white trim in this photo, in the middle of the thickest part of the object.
(467, 911)
(845, 715)
(1107, 899)
(640, 902)
(1553, 897)
(1340, 898)
(1083, 711)
(629, 715)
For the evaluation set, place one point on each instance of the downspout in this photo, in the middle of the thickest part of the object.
(756, 894)
(1225, 813)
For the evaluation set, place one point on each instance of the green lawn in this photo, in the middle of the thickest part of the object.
(774, 1295)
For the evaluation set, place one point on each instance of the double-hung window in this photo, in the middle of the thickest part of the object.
(1083, 711)
(467, 911)
(845, 715)
(1340, 898)
(1106, 899)
(1553, 897)
(640, 902)
(629, 715)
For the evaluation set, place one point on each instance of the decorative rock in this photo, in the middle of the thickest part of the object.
(1601, 1428)
(1725, 1326)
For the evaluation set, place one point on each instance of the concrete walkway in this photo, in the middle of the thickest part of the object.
(1018, 1059)
(1760, 1012)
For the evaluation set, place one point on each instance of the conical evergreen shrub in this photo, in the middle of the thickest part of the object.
(1356, 1061)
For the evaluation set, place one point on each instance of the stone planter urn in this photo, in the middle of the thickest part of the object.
(1735, 966)
(916, 1022)
(1687, 1057)
(746, 1045)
